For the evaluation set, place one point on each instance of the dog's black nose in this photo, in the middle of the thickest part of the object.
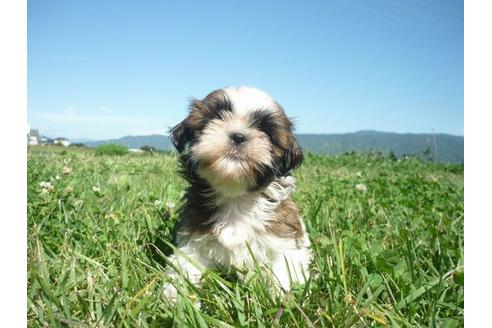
(238, 138)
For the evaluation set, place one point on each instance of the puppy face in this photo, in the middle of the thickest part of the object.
(237, 139)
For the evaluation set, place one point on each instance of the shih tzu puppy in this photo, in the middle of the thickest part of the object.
(237, 152)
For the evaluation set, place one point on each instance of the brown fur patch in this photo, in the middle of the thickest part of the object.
(287, 221)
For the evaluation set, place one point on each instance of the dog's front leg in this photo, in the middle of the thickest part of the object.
(291, 266)
(183, 265)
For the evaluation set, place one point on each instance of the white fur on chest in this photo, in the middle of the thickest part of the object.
(240, 221)
(240, 229)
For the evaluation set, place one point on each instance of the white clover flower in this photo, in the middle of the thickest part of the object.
(46, 187)
(96, 189)
(69, 189)
(57, 177)
(67, 170)
(157, 203)
(45, 184)
(170, 205)
(361, 187)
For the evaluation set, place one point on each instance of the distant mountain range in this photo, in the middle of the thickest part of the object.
(440, 147)
(155, 140)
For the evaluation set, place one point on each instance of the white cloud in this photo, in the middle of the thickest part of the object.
(103, 123)
(70, 110)
(71, 115)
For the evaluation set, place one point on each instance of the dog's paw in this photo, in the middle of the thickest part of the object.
(170, 293)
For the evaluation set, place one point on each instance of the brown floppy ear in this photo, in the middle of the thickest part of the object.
(293, 156)
(181, 135)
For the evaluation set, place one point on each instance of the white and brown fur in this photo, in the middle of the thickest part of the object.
(238, 200)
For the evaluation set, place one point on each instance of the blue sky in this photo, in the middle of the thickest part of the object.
(104, 69)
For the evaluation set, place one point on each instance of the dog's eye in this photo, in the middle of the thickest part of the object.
(265, 122)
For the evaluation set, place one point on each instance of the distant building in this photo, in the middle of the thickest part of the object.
(62, 142)
(135, 150)
(32, 141)
(33, 137)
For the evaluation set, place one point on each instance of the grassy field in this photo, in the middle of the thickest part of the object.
(387, 237)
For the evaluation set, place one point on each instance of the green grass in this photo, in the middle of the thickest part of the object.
(390, 255)
(111, 149)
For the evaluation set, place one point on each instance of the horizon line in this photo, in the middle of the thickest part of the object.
(88, 139)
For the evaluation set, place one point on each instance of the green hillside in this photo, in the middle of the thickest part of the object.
(442, 148)
(155, 140)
